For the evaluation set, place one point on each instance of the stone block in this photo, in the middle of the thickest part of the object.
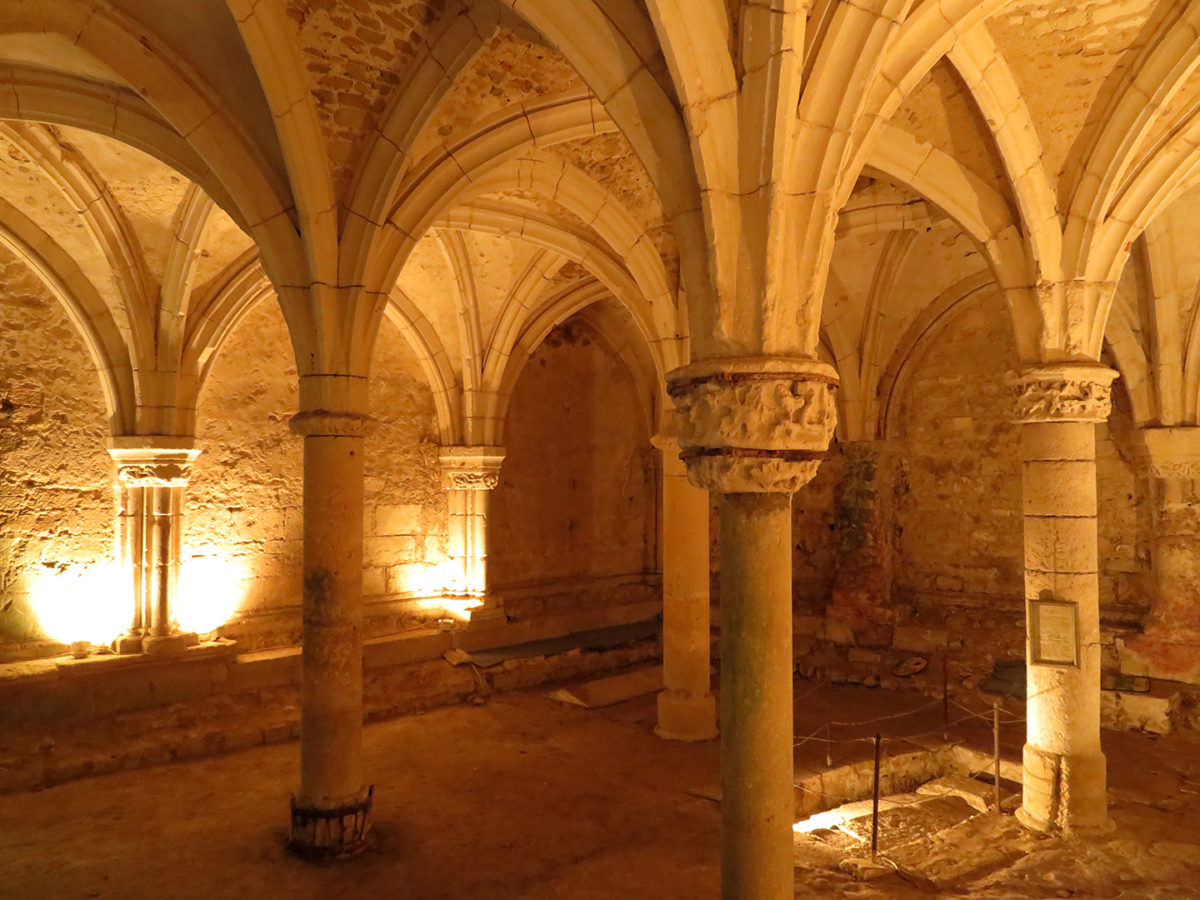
(917, 639)
(874, 636)
(266, 669)
(836, 632)
(1138, 712)
(1059, 489)
(1060, 544)
(411, 647)
(950, 583)
(807, 626)
(405, 519)
(863, 657)
(374, 581)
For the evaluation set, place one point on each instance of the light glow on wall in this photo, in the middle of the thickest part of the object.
(210, 592)
(89, 604)
(424, 580)
(460, 607)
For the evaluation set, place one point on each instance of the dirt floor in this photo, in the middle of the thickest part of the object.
(526, 798)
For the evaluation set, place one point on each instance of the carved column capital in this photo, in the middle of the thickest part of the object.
(1171, 453)
(753, 424)
(1062, 392)
(471, 468)
(327, 423)
(153, 460)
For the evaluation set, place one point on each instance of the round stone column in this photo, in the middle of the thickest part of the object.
(753, 430)
(687, 710)
(152, 474)
(330, 811)
(1058, 407)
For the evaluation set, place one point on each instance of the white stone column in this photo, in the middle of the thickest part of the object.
(687, 710)
(1058, 407)
(152, 474)
(331, 809)
(1169, 648)
(753, 430)
(469, 475)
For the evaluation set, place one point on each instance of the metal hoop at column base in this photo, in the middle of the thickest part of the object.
(326, 834)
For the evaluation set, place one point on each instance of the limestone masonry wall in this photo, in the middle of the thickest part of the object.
(926, 554)
(244, 500)
(55, 494)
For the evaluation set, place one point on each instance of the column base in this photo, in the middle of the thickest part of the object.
(338, 833)
(686, 716)
(128, 643)
(169, 643)
(1065, 794)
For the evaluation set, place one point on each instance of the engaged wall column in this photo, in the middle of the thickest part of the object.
(1170, 646)
(686, 707)
(1058, 407)
(753, 430)
(469, 475)
(152, 474)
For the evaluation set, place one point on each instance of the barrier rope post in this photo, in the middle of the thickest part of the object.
(945, 699)
(996, 755)
(875, 804)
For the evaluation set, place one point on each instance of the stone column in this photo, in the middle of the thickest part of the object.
(469, 475)
(1058, 407)
(330, 812)
(753, 430)
(152, 473)
(1169, 648)
(687, 710)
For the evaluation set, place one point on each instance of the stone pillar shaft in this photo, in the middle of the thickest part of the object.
(330, 810)
(1064, 768)
(753, 431)
(686, 707)
(152, 474)
(757, 798)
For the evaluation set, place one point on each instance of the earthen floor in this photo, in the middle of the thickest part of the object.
(526, 798)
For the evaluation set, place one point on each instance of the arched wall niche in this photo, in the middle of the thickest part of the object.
(55, 473)
(573, 521)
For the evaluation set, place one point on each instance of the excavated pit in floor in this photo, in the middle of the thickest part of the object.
(925, 796)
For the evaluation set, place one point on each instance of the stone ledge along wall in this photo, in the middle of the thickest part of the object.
(55, 473)
(572, 522)
(244, 500)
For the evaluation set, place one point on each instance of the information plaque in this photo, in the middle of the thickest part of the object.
(1053, 633)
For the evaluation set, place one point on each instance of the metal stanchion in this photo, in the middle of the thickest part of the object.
(875, 804)
(945, 699)
(996, 754)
